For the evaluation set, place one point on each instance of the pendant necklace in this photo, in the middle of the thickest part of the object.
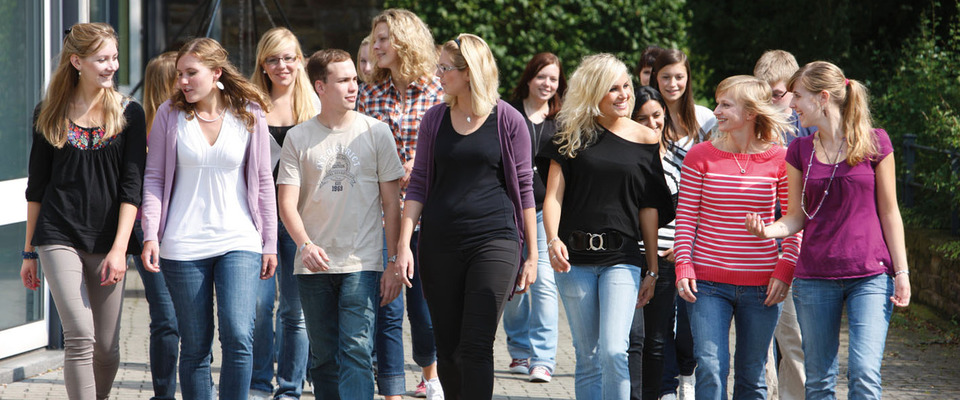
(197, 114)
(826, 190)
(743, 168)
(536, 135)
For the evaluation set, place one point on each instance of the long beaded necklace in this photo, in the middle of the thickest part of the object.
(826, 190)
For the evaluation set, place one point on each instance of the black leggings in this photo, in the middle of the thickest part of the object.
(648, 336)
(466, 290)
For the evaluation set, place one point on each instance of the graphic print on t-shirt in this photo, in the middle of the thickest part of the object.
(337, 165)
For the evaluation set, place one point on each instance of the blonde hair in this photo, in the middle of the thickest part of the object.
(775, 66)
(83, 40)
(413, 41)
(589, 83)
(237, 91)
(360, 74)
(754, 96)
(473, 55)
(271, 43)
(851, 98)
(159, 83)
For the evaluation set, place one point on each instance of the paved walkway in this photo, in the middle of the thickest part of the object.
(911, 370)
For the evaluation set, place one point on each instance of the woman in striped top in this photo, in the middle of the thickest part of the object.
(723, 271)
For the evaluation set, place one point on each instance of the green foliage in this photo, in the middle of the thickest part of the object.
(921, 96)
(950, 250)
(571, 29)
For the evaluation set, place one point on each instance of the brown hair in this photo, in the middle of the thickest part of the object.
(647, 58)
(159, 83)
(237, 91)
(318, 62)
(270, 44)
(537, 63)
(775, 66)
(687, 113)
(851, 98)
(83, 40)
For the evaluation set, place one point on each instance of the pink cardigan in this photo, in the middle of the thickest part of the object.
(161, 171)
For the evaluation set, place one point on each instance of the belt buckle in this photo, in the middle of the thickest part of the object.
(590, 242)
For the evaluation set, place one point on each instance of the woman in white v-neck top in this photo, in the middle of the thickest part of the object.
(209, 213)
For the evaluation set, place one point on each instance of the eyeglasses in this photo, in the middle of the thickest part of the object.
(777, 95)
(442, 69)
(276, 60)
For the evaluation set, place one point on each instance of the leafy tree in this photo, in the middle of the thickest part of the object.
(571, 29)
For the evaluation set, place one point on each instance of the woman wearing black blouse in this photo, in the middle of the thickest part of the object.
(530, 319)
(83, 190)
(605, 192)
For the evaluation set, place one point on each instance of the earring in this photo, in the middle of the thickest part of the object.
(219, 85)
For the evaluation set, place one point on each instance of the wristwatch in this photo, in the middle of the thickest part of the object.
(392, 259)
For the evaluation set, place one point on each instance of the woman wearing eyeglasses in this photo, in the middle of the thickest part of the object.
(605, 192)
(279, 72)
(472, 184)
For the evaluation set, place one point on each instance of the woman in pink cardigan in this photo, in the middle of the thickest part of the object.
(209, 213)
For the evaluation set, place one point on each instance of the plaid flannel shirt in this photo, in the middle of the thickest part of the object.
(382, 101)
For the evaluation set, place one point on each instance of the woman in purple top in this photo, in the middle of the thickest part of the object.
(473, 183)
(853, 253)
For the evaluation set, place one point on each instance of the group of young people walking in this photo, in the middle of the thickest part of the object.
(651, 219)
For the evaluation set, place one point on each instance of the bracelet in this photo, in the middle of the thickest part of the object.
(29, 255)
(304, 245)
(652, 274)
(392, 259)
(901, 272)
(550, 242)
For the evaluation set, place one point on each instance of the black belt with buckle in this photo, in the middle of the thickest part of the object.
(585, 241)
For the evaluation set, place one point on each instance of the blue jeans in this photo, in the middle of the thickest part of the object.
(717, 304)
(819, 305)
(678, 350)
(530, 319)
(389, 339)
(235, 275)
(340, 312)
(289, 345)
(164, 336)
(600, 303)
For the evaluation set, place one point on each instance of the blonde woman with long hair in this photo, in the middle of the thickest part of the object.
(605, 193)
(400, 90)
(159, 84)
(854, 255)
(472, 183)
(209, 213)
(723, 272)
(280, 73)
(364, 62)
(83, 190)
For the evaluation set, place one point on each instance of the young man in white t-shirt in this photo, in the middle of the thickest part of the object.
(338, 175)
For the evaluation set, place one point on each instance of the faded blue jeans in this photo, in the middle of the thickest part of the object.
(164, 336)
(600, 302)
(235, 275)
(530, 319)
(820, 303)
(710, 316)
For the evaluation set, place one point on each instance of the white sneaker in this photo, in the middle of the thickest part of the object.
(434, 390)
(669, 396)
(259, 395)
(688, 384)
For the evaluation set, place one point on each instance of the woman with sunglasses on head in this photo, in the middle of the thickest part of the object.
(853, 255)
(605, 193)
(279, 72)
(83, 190)
(401, 88)
(472, 183)
(723, 272)
(530, 319)
(209, 214)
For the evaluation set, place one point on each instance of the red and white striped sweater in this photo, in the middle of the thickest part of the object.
(712, 243)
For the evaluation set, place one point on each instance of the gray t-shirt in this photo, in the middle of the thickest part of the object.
(339, 174)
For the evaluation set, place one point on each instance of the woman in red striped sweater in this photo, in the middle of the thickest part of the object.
(723, 271)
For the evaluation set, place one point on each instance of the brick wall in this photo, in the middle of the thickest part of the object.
(934, 280)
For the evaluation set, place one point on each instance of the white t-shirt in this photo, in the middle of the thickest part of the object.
(706, 120)
(209, 215)
(339, 174)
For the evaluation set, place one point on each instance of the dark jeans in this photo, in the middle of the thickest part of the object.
(678, 352)
(466, 290)
(649, 334)
(164, 336)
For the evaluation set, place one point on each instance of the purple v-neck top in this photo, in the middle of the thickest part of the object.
(844, 239)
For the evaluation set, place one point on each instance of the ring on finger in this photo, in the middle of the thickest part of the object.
(680, 290)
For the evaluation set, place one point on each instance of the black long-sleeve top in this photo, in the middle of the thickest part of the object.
(80, 186)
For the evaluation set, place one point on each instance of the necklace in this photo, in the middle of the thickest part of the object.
(536, 135)
(743, 168)
(197, 114)
(826, 190)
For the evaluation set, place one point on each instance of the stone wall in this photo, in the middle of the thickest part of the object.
(934, 280)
